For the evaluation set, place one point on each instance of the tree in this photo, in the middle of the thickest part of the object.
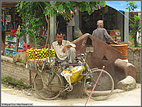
(135, 25)
(131, 6)
(32, 20)
(34, 14)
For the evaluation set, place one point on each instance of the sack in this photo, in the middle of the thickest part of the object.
(20, 56)
(72, 76)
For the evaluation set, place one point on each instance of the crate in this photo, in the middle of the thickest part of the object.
(20, 50)
(24, 50)
(26, 46)
(13, 30)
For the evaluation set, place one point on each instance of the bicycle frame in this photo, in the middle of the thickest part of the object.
(87, 73)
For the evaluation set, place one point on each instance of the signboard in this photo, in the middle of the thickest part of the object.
(8, 18)
(115, 34)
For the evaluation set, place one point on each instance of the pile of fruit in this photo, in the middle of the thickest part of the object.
(39, 53)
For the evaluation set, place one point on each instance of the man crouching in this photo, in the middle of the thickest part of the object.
(65, 50)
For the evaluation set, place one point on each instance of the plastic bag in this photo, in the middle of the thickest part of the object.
(73, 75)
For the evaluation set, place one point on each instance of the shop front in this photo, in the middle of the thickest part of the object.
(113, 22)
(9, 22)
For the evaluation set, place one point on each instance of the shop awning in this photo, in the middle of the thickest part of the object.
(9, 4)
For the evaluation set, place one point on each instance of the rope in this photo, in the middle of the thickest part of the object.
(34, 61)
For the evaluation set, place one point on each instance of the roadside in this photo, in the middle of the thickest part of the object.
(119, 98)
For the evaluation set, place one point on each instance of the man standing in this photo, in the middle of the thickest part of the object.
(102, 34)
(65, 50)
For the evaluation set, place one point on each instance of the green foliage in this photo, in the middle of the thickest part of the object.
(131, 6)
(20, 61)
(32, 19)
(18, 31)
(20, 83)
(132, 46)
(135, 25)
(35, 14)
(12, 81)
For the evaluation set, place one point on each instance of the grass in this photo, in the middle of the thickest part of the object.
(20, 61)
(132, 46)
(14, 82)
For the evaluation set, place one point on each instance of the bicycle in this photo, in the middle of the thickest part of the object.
(49, 83)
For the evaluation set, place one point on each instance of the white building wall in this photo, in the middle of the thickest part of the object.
(139, 34)
(126, 27)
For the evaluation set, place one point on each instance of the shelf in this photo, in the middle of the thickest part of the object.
(10, 49)
(11, 41)
(20, 47)
(9, 33)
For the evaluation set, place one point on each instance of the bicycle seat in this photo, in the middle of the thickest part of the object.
(81, 54)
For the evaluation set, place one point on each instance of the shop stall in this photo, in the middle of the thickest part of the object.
(10, 22)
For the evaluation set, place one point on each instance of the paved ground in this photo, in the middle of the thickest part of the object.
(119, 98)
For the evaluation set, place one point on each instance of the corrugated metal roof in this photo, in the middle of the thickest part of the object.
(122, 5)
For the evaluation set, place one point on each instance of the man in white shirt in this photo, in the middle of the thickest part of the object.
(65, 50)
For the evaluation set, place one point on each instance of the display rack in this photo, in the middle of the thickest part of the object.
(11, 43)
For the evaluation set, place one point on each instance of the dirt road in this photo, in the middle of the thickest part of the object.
(119, 98)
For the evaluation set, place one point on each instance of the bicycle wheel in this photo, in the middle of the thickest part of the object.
(45, 89)
(104, 87)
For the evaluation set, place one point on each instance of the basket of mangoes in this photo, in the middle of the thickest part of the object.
(39, 53)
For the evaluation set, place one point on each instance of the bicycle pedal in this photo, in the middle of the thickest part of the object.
(70, 88)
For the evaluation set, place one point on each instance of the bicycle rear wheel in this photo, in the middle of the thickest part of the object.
(46, 90)
(104, 86)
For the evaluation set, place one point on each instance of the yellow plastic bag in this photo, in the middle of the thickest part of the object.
(72, 76)
(75, 73)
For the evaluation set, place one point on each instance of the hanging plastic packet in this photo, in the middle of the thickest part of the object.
(74, 74)
(67, 74)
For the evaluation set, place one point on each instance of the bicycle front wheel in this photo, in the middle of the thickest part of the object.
(103, 88)
(48, 85)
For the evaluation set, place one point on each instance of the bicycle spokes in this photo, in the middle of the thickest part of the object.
(103, 86)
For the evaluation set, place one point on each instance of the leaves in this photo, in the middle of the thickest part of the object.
(34, 14)
(21, 4)
(102, 3)
(60, 8)
(89, 10)
(47, 12)
(31, 19)
(135, 26)
(47, 4)
(54, 3)
(82, 6)
(52, 12)
(131, 6)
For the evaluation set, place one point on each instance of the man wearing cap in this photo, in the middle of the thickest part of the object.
(102, 34)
